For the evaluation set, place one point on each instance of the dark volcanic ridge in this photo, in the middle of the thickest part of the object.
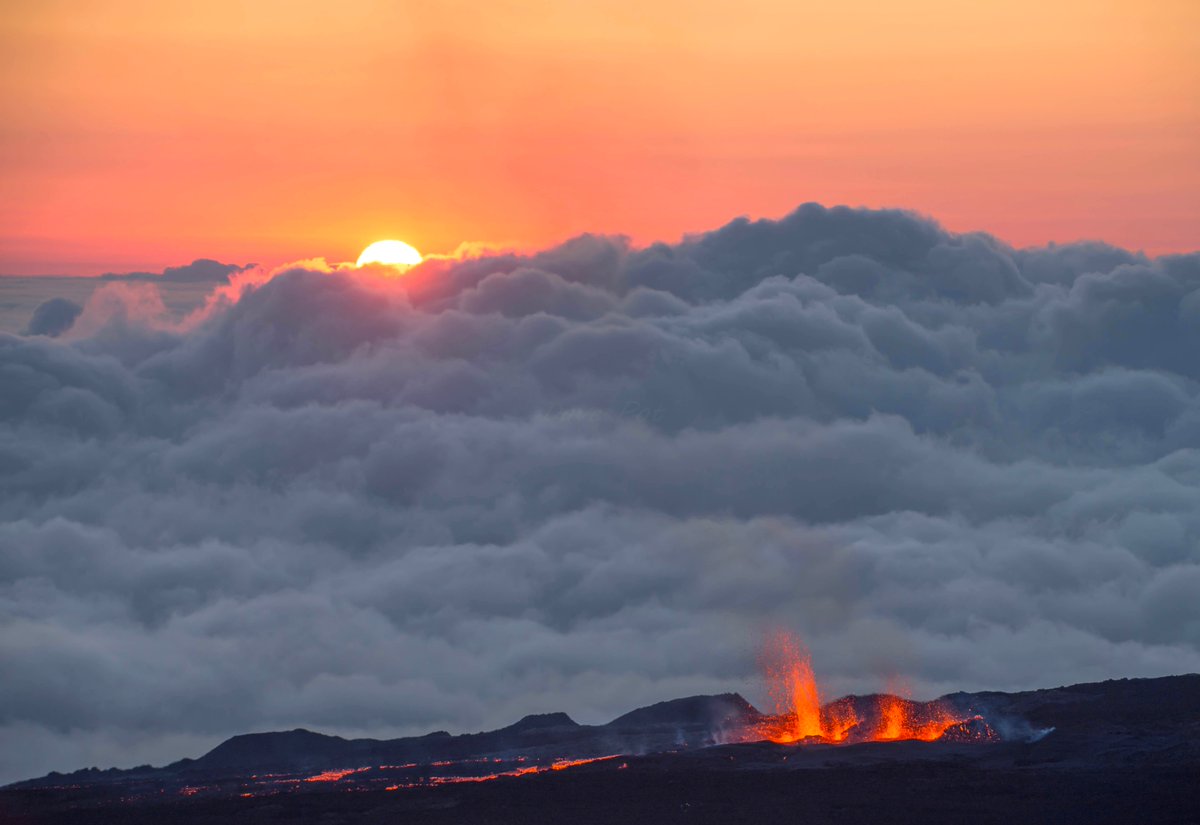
(537, 739)
(1116, 751)
(1155, 716)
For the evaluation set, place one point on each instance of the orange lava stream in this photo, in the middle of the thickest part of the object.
(563, 764)
(334, 776)
(557, 765)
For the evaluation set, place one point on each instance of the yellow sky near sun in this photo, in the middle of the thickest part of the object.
(140, 134)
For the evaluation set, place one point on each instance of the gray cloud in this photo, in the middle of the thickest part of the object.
(590, 478)
(53, 317)
(201, 270)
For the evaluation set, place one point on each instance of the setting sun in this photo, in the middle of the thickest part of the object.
(394, 253)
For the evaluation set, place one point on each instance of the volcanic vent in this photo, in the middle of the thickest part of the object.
(800, 716)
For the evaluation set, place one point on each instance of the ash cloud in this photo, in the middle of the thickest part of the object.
(587, 479)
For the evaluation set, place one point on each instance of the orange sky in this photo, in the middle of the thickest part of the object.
(143, 133)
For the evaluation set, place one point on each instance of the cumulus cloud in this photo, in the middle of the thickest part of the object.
(53, 317)
(589, 478)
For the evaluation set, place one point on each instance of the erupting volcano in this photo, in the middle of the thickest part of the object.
(800, 717)
(1093, 752)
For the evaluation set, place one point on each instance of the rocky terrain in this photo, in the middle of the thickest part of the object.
(1117, 751)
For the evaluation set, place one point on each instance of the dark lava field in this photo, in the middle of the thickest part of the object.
(1125, 751)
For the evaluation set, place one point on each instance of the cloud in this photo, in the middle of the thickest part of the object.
(201, 270)
(53, 317)
(589, 478)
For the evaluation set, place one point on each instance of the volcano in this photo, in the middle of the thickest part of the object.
(1117, 751)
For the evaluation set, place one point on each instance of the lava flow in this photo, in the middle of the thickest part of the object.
(525, 770)
(333, 776)
(800, 717)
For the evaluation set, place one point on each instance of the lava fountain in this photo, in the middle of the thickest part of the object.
(800, 717)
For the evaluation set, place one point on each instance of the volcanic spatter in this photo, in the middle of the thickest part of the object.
(799, 716)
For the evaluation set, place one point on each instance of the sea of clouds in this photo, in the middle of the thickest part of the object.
(591, 478)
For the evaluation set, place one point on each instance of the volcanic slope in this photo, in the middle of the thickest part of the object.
(1117, 751)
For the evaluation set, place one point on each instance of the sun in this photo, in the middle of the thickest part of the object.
(393, 253)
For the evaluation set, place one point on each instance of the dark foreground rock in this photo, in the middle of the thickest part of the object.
(1115, 752)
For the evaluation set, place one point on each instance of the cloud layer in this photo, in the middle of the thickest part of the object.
(590, 478)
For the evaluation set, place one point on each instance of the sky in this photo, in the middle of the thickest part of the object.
(590, 460)
(145, 133)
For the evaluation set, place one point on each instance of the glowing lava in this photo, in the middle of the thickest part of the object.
(563, 764)
(334, 776)
(797, 700)
(556, 765)
(800, 717)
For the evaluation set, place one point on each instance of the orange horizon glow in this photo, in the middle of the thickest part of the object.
(144, 134)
